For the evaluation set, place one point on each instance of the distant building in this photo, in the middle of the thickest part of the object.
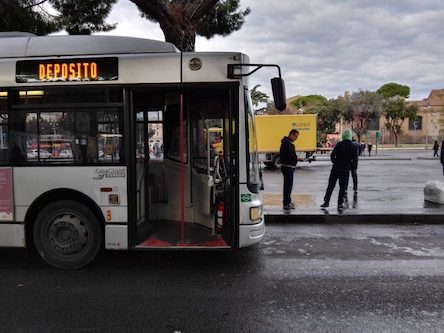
(291, 109)
(425, 129)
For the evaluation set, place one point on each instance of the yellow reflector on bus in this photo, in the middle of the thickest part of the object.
(108, 215)
(255, 213)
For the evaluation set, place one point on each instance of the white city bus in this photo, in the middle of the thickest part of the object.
(104, 144)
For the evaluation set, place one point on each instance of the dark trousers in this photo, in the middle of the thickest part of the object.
(354, 173)
(343, 177)
(288, 174)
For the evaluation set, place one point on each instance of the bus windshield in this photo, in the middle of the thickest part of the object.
(252, 154)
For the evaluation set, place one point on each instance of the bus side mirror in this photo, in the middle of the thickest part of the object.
(278, 87)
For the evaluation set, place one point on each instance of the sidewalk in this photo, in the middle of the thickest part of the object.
(388, 198)
(365, 215)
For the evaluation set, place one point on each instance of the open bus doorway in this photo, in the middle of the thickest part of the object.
(185, 188)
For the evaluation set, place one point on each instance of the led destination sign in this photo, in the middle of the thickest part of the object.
(66, 70)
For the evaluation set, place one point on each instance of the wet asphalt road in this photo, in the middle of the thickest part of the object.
(301, 278)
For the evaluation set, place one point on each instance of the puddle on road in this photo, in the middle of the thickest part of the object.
(299, 200)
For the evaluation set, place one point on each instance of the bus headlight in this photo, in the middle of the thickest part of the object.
(256, 213)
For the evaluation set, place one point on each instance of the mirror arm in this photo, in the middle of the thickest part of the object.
(233, 67)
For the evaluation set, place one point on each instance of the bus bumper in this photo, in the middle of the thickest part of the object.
(250, 234)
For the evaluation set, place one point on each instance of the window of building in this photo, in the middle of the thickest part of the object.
(415, 124)
(374, 124)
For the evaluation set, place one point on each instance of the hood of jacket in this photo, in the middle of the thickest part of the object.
(286, 139)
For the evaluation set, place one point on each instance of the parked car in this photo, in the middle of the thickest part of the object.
(31, 153)
(65, 154)
(34, 152)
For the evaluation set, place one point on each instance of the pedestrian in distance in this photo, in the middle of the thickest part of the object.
(343, 156)
(369, 147)
(288, 159)
(442, 155)
(362, 151)
(435, 149)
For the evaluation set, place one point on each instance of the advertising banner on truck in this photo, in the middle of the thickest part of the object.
(6, 195)
(272, 128)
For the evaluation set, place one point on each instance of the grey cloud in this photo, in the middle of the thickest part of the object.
(329, 46)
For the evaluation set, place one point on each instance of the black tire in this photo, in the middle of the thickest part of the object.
(269, 165)
(277, 161)
(67, 234)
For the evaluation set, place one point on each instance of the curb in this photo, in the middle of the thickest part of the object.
(355, 219)
(376, 158)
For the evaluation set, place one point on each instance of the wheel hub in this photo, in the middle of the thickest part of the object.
(68, 234)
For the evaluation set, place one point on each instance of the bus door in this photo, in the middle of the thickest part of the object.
(213, 162)
(182, 183)
(150, 186)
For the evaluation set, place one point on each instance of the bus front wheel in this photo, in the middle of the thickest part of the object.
(67, 234)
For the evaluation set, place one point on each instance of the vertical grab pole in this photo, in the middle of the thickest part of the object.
(182, 174)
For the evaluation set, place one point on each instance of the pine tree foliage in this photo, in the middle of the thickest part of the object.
(181, 20)
(223, 19)
(84, 17)
(75, 16)
(26, 15)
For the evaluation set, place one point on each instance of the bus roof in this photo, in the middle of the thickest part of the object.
(27, 45)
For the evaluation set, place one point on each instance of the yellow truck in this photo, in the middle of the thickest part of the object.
(271, 129)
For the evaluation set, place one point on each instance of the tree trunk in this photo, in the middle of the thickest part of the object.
(183, 37)
(178, 19)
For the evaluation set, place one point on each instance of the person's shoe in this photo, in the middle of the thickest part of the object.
(292, 205)
(288, 207)
(341, 207)
(325, 205)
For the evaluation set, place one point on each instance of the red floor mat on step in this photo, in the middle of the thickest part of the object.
(153, 241)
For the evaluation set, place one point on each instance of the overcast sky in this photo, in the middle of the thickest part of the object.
(327, 47)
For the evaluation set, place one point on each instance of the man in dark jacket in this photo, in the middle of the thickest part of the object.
(343, 156)
(442, 155)
(288, 159)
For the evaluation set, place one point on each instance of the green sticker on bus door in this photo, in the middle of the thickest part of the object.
(246, 197)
